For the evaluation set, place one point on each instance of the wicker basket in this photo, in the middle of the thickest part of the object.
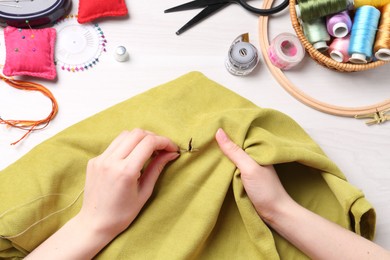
(320, 57)
(377, 113)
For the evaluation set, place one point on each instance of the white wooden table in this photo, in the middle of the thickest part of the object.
(158, 55)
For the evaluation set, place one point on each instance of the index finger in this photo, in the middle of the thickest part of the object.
(146, 147)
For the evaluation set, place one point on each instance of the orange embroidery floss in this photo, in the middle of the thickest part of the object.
(29, 125)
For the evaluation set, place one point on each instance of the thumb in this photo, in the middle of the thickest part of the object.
(235, 153)
(153, 170)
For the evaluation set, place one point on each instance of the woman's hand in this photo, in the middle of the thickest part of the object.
(261, 183)
(293, 222)
(116, 187)
(118, 184)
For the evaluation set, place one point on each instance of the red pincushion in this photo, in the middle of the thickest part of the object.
(90, 10)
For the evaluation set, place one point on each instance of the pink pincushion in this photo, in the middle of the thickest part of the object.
(30, 52)
(90, 10)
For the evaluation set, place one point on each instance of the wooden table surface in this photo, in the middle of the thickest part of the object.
(158, 55)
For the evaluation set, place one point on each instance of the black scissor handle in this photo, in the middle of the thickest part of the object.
(264, 12)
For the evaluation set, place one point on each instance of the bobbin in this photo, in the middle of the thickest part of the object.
(337, 55)
(359, 58)
(321, 46)
(340, 30)
(383, 54)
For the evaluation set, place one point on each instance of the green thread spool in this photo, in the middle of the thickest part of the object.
(317, 34)
(309, 10)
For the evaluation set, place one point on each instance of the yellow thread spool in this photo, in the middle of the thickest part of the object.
(376, 3)
(382, 42)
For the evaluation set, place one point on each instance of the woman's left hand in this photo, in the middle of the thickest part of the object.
(116, 187)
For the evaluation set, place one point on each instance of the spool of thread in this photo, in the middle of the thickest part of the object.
(286, 51)
(363, 34)
(317, 34)
(375, 3)
(242, 56)
(310, 10)
(382, 42)
(339, 25)
(338, 49)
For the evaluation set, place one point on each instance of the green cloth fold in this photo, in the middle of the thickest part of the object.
(199, 208)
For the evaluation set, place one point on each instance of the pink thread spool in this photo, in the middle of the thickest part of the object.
(338, 49)
(286, 51)
(339, 25)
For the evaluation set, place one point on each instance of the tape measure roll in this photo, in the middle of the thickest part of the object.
(242, 56)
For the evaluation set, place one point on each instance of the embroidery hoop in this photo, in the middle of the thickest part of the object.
(377, 113)
(78, 46)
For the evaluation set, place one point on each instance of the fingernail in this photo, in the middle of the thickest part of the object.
(222, 135)
(175, 155)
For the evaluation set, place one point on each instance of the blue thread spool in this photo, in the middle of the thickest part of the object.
(363, 34)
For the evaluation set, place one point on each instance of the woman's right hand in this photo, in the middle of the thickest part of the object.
(261, 183)
(295, 223)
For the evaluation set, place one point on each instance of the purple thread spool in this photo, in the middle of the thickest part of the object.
(339, 25)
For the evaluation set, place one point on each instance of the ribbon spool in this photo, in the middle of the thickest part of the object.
(286, 51)
(376, 113)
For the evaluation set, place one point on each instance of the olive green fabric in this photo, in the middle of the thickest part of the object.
(199, 209)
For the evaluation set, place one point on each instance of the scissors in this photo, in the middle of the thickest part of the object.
(212, 6)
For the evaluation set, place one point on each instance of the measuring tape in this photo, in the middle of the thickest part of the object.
(242, 56)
